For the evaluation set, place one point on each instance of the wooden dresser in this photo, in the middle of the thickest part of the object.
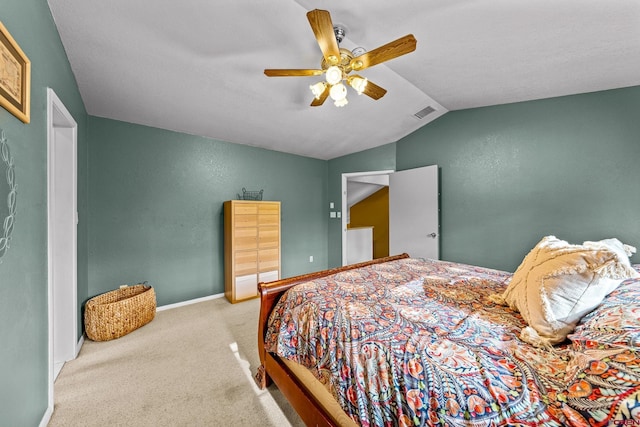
(251, 247)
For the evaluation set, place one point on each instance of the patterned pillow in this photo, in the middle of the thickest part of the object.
(614, 323)
(558, 283)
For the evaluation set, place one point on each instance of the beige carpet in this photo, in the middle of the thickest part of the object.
(191, 366)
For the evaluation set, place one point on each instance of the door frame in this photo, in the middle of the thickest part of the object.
(60, 120)
(345, 178)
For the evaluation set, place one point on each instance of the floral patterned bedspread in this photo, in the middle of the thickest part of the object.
(418, 342)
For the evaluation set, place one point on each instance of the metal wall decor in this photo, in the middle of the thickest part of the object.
(7, 195)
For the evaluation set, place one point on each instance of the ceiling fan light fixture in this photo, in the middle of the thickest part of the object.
(358, 83)
(337, 62)
(318, 89)
(333, 75)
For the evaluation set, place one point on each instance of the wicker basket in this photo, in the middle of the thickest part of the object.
(116, 313)
(250, 195)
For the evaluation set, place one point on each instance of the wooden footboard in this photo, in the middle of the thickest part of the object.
(273, 369)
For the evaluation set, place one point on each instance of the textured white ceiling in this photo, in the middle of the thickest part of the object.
(196, 66)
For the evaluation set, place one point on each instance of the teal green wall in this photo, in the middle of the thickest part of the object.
(511, 174)
(23, 270)
(150, 201)
(375, 159)
(156, 207)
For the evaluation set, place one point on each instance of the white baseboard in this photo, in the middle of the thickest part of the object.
(46, 417)
(79, 346)
(189, 302)
(49, 412)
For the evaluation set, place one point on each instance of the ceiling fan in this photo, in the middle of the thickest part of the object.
(337, 63)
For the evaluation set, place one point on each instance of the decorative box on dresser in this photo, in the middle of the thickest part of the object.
(251, 247)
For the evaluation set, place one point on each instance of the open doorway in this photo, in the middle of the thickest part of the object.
(413, 213)
(357, 187)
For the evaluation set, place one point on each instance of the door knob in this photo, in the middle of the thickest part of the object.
(432, 235)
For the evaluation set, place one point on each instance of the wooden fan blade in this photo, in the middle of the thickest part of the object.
(322, 27)
(292, 72)
(373, 90)
(384, 53)
(319, 101)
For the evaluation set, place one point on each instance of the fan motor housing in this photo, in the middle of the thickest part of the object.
(345, 61)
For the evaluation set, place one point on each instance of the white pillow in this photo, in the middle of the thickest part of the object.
(558, 283)
(622, 251)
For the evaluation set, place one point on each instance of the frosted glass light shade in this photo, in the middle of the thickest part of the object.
(333, 75)
(358, 84)
(341, 102)
(318, 89)
(338, 92)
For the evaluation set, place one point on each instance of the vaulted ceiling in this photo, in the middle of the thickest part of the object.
(196, 66)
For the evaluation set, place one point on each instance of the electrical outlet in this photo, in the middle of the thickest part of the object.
(332, 214)
(310, 258)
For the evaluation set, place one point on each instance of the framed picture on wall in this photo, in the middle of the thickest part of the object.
(15, 77)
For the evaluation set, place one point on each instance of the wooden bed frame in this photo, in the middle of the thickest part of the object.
(272, 368)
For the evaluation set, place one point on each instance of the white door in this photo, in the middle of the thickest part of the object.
(63, 232)
(414, 213)
(62, 225)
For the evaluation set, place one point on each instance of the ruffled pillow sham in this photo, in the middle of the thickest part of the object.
(557, 283)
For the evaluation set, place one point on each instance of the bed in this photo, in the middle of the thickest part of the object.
(404, 341)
